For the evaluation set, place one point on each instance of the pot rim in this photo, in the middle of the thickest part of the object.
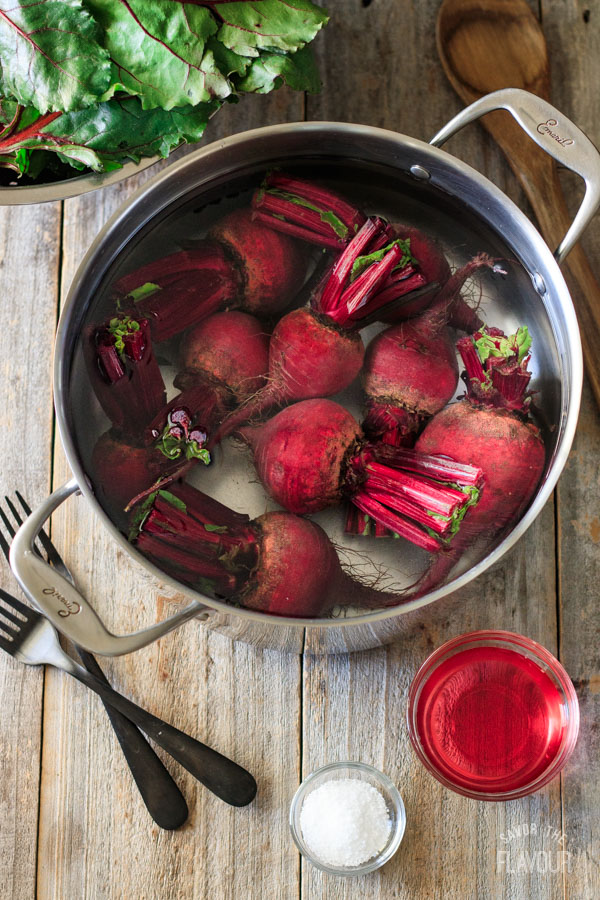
(446, 161)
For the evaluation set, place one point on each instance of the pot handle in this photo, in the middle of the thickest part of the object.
(63, 605)
(551, 131)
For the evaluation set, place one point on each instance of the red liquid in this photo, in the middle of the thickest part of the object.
(490, 720)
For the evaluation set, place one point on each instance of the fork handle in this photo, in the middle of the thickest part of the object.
(222, 776)
(164, 801)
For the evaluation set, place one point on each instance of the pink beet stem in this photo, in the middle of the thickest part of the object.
(360, 291)
(309, 219)
(187, 566)
(435, 497)
(342, 269)
(323, 198)
(471, 360)
(438, 467)
(297, 231)
(396, 289)
(185, 303)
(395, 523)
(406, 508)
(111, 362)
(199, 549)
(207, 255)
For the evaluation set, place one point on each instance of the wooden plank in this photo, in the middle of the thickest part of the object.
(579, 568)
(29, 253)
(381, 68)
(241, 701)
(572, 31)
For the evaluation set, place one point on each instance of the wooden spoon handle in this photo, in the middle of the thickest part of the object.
(551, 211)
(539, 178)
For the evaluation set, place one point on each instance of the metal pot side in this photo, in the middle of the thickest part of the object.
(440, 172)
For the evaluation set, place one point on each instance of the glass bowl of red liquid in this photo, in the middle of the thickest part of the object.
(493, 715)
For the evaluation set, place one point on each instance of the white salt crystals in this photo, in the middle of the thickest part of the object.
(345, 822)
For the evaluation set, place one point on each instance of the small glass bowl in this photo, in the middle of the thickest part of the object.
(436, 698)
(360, 772)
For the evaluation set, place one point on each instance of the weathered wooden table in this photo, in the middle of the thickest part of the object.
(72, 825)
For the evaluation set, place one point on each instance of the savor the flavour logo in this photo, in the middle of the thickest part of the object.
(515, 860)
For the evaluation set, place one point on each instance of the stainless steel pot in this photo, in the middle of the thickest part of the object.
(464, 205)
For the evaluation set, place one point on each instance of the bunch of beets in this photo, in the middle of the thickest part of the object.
(253, 363)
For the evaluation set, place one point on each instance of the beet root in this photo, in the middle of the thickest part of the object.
(299, 454)
(308, 357)
(272, 265)
(229, 348)
(298, 571)
(410, 373)
(316, 351)
(510, 453)
(278, 564)
(121, 470)
(312, 455)
(490, 429)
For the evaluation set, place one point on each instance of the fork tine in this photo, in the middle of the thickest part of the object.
(26, 611)
(7, 644)
(9, 615)
(18, 520)
(5, 547)
(52, 553)
(9, 630)
(7, 523)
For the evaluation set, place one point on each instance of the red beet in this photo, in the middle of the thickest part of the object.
(312, 455)
(124, 373)
(410, 373)
(272, 265)
(316, 351)
(490, 429)
(123, 470)
(278, 564)
(229, 348)
(243, 264)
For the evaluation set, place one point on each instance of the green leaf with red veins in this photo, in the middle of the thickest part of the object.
(272, 70)
(285, 25)
(51, 54)
(104, 136)
(160, 50)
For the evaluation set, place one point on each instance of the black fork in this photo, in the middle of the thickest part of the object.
(162, 797)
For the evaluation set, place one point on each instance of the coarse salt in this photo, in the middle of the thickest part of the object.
(345, 822)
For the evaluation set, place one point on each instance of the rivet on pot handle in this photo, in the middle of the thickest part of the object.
(60, 602)
(551, 131)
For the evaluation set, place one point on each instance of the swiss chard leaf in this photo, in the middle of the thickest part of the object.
(161, 51)
(270, 71)
(269, 25)
(102, 137)
(51, 54)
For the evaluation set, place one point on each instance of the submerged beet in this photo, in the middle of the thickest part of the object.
(410, 373)
(316, 351)
(242, 264)
(491, 428)
(312, 455)
(278, 564)
(229, 348)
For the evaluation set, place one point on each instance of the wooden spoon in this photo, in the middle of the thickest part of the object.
(485, 45)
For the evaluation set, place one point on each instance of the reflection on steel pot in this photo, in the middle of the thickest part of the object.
(381, 170)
